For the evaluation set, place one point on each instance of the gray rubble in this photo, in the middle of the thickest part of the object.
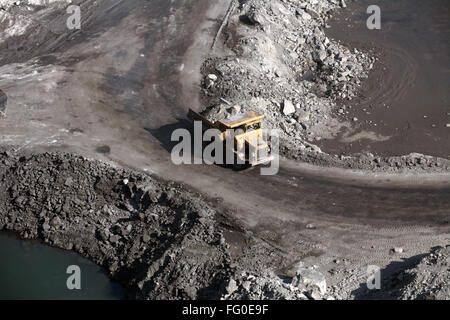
(264, 286)
(156, 238)
(422, 277)
(430, 279)
(162, 241)
(284, 66)
(277, 60)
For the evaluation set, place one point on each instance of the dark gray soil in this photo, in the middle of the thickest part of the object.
(156, 238)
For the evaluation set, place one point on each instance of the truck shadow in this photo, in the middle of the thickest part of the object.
(393, 280)
(164, 133)
(164, 136)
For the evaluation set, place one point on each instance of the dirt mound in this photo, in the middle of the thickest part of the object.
(421, 277)
(158, 239)
(277, 60)
(430, 279)
(280, 63)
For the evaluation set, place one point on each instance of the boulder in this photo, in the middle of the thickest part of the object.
(231, 287)
(397, 250)
(212, 77)
(288, 107)
(256, 16)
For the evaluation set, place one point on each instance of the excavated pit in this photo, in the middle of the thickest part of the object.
(65, 100)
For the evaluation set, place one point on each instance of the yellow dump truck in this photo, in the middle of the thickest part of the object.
(249, 147)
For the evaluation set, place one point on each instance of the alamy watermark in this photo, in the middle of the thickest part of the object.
(74, 280)
(374, 20)
(73, 22)
(374, 277)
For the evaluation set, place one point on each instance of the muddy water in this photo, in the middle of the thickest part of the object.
(404, 106)
(31, 270)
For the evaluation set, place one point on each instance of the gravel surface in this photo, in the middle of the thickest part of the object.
(154, 237)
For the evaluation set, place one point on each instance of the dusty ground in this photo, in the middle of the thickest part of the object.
(115, 91)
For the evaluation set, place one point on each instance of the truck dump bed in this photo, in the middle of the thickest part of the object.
(238, 120)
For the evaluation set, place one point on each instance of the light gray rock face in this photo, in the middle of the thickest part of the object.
(420, 277)
(282, 62)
